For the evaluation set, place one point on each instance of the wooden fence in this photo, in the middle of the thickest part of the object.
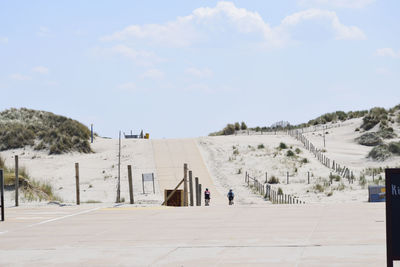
(270, 193)
(343, 171)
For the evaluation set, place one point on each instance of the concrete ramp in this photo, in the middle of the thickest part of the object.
(169, 157)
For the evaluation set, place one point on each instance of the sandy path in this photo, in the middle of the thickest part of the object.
(169, 157)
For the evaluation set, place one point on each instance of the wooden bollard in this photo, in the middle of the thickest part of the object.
(308, 176)
(131, 200)
(200, 194)
(16, 181)
(287, 177)
(191, 188)
(185, 185)
(266, 177)
(196, 182)
(78, 201)
(2, 194)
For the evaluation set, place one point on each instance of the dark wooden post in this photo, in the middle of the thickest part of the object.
(2, 194)
(196, 182)
(191, 188)
(287, 176)
(130, 184)
(308, 174)
(185, 185)
(16, 181)
(200, 194)
(78, 202)
(266, 177)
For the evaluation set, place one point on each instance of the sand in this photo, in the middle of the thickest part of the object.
(220, 163)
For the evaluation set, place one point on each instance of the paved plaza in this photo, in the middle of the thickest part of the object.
(270, 235)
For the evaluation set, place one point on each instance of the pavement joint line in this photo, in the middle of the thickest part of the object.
(137, 208)
(63, 217)
(51, 220)
(310, 235)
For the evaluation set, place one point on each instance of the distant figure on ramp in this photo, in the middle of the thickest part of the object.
(231, 196)
(207, 197)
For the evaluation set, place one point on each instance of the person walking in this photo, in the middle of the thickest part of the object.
(207, 197)
(231, 196)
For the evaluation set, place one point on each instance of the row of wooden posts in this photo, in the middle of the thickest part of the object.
(343, 171)
(188, 191)
(270, 193)
(279, 198)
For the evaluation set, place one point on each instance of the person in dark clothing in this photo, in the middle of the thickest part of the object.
(207, 197)
(231, 196)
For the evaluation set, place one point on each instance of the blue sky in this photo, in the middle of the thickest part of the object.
(187, 68)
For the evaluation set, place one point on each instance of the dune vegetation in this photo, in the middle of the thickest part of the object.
(43, 131)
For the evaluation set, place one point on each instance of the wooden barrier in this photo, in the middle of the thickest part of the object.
(78, 201)
(132, 201)
(16, 181)
(2, 194)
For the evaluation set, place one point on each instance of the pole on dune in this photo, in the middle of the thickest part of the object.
(16, 181)
(119, 170)
(91, 133)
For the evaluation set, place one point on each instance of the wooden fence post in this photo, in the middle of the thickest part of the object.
(200, 194)
(287, 176)
(132, 201)
(308, 176)
(2, 194)
(78, 202)
(266, 177)
(196, 183)
(191, 188)
(16, 181)
(185, 185)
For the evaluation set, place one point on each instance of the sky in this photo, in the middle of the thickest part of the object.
(187, 68)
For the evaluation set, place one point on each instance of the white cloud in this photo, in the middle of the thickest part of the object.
(200, 73)
(337, 3)
(341, 31)
(387, 52)
(51, 83)
(3, 40)
(43, 31)
(153, 74)
(139, 56)
(204, 21)
(41, 69)
(383, 71)
(127, 87)
(19, 77)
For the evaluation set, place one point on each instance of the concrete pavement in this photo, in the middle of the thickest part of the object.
(351, 234)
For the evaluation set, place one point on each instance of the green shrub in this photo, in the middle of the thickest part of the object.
(236, 152)
(319, 188)
(243, 126)
(229, 129)
(387, 133)
(260, 146)
(237, 126)
(374, 116)
(289, 153)
(304, 160)
(280, 191)
(369, 139)
(273, 180)
(297, 150)
(335, 177)
(394, 147)
(283, 146)
(380, 153)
